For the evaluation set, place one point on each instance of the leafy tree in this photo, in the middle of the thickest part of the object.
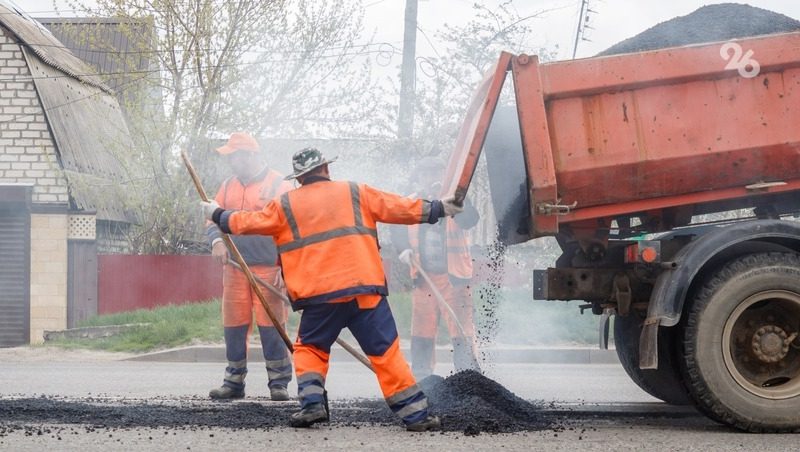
(265, 66)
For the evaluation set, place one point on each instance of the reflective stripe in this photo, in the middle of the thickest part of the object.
(287, 210)
(278, 362)
(310, 377)
(310, 390)
(235, 378)
(327, 235)
(358, 229)
(276, 183)
(415, 407)
(403, 395)
(355, 197)
(275, 375)
(237, 364)
(426, 212)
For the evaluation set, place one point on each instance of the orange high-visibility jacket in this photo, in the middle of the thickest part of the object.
(327, 237)
(459, 259)
(233, 194)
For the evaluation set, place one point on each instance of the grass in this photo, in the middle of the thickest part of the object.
(509, 316)
(168, 326)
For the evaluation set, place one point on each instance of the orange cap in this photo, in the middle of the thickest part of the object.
(239, 141)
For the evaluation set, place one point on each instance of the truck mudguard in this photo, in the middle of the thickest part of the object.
(672, 286)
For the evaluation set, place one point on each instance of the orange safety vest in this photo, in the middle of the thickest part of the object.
(253, 196)
(459, 259)
(327, 237)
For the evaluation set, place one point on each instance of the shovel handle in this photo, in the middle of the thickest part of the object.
(238, 258)
(349, 348)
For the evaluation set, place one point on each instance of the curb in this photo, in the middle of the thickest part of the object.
(216, 354)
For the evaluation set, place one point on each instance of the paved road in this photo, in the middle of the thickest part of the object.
(594, 407)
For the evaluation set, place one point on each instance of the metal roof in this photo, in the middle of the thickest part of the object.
(85, 119)
(41, 42)
(120, 49)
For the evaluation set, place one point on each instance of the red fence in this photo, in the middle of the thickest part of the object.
(126, 283)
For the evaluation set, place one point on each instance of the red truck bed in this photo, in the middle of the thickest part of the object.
(666, 132)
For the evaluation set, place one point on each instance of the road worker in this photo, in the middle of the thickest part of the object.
(327, 240)
(250, 187)
(442, 251)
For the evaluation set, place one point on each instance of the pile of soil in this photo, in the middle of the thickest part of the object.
(707, 24)
(472, 403)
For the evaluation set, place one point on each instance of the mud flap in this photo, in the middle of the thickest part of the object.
(648, 345)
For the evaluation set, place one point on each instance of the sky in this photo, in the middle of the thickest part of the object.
(612, 20)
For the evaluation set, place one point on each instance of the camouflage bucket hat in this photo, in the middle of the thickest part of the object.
(306, 160)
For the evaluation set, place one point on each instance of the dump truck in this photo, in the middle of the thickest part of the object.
(671, 181)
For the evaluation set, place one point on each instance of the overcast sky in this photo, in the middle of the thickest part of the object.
(613, 20)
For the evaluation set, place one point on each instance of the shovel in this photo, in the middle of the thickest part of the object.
(350, 349)
(409, 260)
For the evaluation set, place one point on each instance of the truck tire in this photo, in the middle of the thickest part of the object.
(663, 383)
(741, 344)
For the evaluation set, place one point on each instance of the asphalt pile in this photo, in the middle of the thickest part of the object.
(472, 403)
(707, 24)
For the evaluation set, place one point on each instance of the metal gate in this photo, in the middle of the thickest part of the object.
(15, 265)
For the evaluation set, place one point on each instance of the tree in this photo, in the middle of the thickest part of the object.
(265, 66)
(448, 81)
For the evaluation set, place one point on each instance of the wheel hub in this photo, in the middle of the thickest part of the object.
(770, 343)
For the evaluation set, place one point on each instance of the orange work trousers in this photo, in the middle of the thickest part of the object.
(239, 301)
(426, 311)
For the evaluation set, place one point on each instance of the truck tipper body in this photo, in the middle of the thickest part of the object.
(620, 158)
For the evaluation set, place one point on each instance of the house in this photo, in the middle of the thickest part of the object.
(61, 134)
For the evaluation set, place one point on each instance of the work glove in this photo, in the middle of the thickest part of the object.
(219, 251)
(405, 256)
(210, 206)
(451, 207)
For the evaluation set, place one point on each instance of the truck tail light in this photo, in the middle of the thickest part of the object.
(645, 251)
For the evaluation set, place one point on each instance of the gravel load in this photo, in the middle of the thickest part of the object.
(708, 24)
(472, 403)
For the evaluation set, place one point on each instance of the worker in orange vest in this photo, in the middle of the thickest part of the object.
(326, 232)
(250, 187)
(442, 251)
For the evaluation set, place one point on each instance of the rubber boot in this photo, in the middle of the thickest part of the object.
(431, 422)
(311, 414)
(236, 352)
(422, 356)
(278, 363)
(464, 355)
(233, 383)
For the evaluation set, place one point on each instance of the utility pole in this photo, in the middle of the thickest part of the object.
(583, 19)
(405, 117)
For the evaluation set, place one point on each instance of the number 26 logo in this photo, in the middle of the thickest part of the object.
(745, 64)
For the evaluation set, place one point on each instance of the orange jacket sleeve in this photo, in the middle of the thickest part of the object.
(395, 209)
(268, 221)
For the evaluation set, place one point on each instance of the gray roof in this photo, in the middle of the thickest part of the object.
(41, 42)
(85, 119)
(121, 49)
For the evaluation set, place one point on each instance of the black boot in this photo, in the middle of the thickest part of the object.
(311, 414)
(431, 422)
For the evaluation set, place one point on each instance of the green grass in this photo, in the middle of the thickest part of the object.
(508, 316)
(168, 326)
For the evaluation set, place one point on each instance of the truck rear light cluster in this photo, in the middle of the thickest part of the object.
(645, 251)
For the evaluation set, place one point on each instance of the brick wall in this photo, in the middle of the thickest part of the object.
(27, 151)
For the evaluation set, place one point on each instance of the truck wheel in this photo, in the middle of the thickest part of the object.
(663, 383)
(741, 346)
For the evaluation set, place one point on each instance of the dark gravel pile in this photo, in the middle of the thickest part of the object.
(708, 24)
(471, 403)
